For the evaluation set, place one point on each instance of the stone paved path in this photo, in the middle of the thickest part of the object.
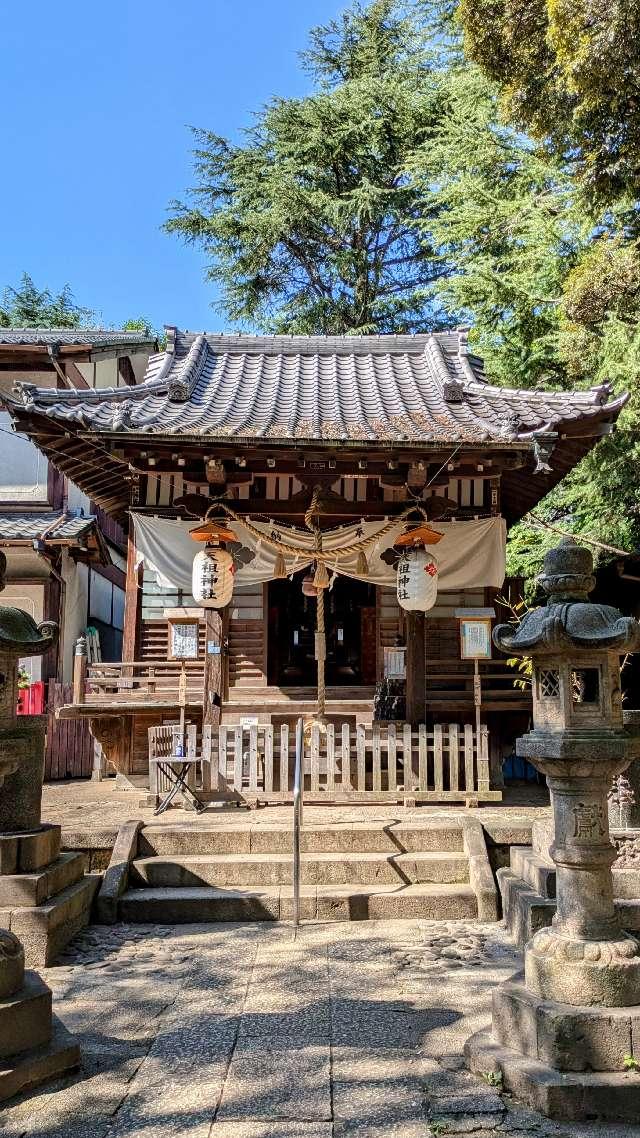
(79, 804)
(238, 1031)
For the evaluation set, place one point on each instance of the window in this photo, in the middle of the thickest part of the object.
(585, 686)
(156, 598)
(548, 684)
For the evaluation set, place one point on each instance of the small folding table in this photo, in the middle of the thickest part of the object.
(175, 769)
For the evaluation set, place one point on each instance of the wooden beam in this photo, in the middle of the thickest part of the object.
(126, 372)
(132, 596)
(74, 375)
(213, 646)
(416, 681)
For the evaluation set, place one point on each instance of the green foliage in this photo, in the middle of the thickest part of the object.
(630, 1063)
(570, 73)
(27, 306)
(310, 223)
(526, 549)
(504, 221)
(402, 194)
(493, 1078)
(142, 324)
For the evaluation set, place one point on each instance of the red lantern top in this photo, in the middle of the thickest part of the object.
(212, 532)
(418, 535)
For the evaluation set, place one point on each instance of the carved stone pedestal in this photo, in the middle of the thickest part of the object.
(34, 1045)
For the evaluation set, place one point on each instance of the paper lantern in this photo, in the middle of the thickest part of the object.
(417, 580)
(212, 579)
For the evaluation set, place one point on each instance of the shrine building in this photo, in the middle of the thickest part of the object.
(315, 451)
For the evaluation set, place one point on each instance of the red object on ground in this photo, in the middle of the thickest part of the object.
(31, 699)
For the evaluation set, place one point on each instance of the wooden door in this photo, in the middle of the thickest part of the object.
(368, 641)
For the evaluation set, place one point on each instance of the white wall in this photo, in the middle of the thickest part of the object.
(104, 373)
(76, 598)
(23, 469)
(31, 599)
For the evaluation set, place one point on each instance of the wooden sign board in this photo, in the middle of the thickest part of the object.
(475, 638)
(395, 667)
(183, 639)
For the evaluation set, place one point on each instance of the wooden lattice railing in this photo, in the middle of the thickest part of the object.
(378, 762)
(157, 682)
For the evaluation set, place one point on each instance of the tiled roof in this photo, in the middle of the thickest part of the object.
(92, 337)
(54, 526)
(411, 389)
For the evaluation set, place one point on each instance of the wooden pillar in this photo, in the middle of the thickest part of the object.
(52, 660)
(416, 680)
(80, 670)
(132, 596)
(213, 647)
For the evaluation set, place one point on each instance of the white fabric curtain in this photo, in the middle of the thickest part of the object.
(470, 555)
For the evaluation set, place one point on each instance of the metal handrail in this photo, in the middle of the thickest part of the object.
(298, 795)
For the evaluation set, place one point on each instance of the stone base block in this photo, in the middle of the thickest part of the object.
(612, 1095)
(25, 1017)
(561, 1036)
(46, 929)
(29, 852)
(57, 1057)
(18, 889)
(603, 974)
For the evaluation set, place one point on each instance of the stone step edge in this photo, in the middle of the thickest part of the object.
(537, 872)
(68, 869)
(567, 1096)
(323, 856)
(163, 841)
(187, 905)
(56, 910)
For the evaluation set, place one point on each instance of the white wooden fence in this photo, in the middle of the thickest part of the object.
(373, 762)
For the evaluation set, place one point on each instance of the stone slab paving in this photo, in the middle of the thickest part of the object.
(240, 1031)
(100, 807)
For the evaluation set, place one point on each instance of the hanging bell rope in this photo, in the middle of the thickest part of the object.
(320, 580)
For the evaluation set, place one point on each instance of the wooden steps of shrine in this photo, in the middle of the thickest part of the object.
(433, 870)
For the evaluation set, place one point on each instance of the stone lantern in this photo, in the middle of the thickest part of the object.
(561, 1033)
(34, 1046)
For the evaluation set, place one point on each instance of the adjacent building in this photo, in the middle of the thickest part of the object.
(66, 557)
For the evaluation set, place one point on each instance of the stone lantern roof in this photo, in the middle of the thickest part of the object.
(19, 633)
(569, 620)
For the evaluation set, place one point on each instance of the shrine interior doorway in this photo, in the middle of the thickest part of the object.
(350, 621)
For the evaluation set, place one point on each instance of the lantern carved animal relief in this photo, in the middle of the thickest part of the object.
(417, 580)
(212, 580)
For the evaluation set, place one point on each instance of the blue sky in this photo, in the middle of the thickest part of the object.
(96, 99)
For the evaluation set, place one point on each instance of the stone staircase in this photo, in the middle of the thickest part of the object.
(433, 870)
(528, 888)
